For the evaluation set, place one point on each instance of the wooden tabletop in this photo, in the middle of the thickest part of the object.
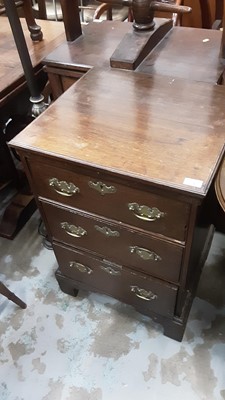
(165, 131)
(188, 53)
(93, 49)
(11, 71)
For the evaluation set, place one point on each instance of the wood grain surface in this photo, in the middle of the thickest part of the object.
(161, 129)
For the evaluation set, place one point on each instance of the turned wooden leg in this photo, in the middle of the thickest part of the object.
(11, 11)
(11, 296)
(35, 30)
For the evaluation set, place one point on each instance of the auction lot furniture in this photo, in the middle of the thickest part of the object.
(122, 163)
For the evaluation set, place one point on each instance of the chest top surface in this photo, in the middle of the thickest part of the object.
(163, 130)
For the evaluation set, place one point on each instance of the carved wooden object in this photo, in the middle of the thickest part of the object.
(147, 33)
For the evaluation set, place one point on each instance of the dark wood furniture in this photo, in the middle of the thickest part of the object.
(11, 296)
(26, 8)
(173, 57)
(121, 166)
(207, 14)
(12, 80)
(14, 101)
(68, 63)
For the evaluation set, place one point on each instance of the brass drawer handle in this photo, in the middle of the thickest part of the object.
(102, 188)
(145, 254)
(107, 231)
(143, 294)
(62, 187)
(82, 268)
(73, 230)
(146, 213)
(110, 270)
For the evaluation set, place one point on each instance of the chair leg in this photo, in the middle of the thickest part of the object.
(42, 12)
(205, 11)
(11, 296)
(35, 30)
(11, 11)
(71, 19)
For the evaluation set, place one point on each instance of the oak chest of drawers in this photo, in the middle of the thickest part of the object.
(103, 240)
(121, 166)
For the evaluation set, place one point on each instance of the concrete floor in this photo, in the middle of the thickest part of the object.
(95, 348)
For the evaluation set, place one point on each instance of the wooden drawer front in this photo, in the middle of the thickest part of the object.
(117, 281)
(119, 202)
(135, 249)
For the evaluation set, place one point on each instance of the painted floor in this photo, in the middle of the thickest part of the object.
(95, 348)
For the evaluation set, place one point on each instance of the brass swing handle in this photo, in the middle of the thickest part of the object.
(62, 187)
(145, 254)
(72, 230)
(82, 268)
(146, 213)
(143, 294)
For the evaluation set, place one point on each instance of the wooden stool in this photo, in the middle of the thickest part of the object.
(220, 186)
(11, 296)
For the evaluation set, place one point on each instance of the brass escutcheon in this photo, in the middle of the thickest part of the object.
(102, 188)
(110, 270)
(107, 231)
